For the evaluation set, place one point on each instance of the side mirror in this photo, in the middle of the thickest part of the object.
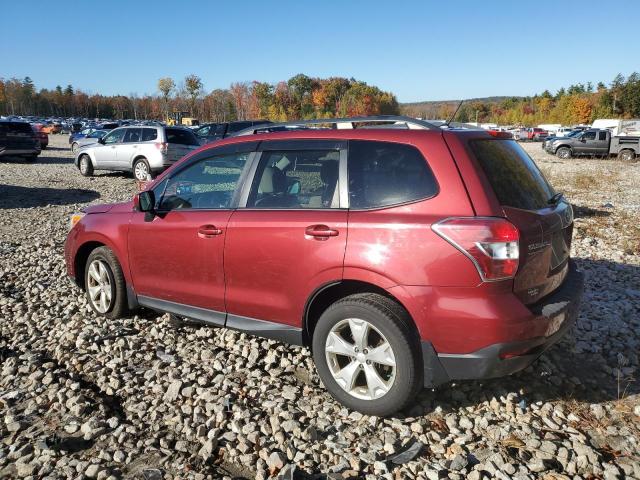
(294, 188)
(101, 141)
(145, 201)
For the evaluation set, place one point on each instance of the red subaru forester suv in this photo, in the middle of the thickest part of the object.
(403, 257)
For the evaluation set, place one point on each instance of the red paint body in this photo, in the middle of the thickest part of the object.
(262, 265)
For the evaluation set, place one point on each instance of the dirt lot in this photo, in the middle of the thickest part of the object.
(81, 397)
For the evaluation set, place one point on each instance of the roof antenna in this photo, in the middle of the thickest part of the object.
(454, 113)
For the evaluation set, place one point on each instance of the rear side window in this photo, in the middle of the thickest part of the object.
(149, 134)
(181, 136)
(602, 135)
(382, 174)
(12, 128)
(515, 178)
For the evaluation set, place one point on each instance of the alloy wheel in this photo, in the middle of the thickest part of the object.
(360, 359)
(141, 171)
(99, 286)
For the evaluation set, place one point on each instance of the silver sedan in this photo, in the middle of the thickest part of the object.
(93, 137)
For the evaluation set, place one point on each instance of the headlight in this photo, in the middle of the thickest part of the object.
(75, 218)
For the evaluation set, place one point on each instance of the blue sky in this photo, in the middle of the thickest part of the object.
(420, 50)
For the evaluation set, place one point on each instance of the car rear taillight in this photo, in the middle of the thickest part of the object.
(499, 134)
(163, 147)
(491, 243)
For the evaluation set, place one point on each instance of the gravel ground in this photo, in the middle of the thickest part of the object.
(82, 397)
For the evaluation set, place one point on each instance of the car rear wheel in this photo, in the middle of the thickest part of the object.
(104, 284)
(627, 156)
(563, 152)
(141, 170)
(367, 355)
(85, 166)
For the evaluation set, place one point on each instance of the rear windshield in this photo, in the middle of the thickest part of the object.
(181, 136)
(15, 127)
(515, 178)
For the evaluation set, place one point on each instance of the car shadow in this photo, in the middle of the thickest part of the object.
(49, 160)
(13, 196)
(581, 367)
(585, 212)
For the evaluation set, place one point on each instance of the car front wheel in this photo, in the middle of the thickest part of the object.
(104, 283)
(85, 166)
(563, 152)
(367, 354)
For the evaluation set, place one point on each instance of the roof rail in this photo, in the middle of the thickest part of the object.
(341, 123)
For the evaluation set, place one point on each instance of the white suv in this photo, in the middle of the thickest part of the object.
(143, 150)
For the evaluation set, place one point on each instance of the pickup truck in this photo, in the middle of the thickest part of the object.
(595, 142)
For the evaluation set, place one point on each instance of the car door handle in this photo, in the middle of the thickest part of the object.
(320, 231)
(209, 231)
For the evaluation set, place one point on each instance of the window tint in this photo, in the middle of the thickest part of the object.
(383, 174)
(589, 135)
(132, 135)
(602, 135)
(296, 179)
(207, 184)
(115, 136)
(221, 128)
(515, 178)
(237, 126)
(15, 127)
(181, 136)
(203, 131)
(149, 134)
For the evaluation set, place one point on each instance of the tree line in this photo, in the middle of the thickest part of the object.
(300, 97)
(577, 104)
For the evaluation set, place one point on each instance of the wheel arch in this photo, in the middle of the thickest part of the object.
(80, 260)
(563, 146)
(331, 292)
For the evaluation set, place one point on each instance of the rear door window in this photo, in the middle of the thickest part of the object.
(296, 179)
(181, 136)
(382, 174)
(133, 135)
(602, 135)
(514, 176)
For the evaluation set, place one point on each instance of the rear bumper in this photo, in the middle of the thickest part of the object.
(560, 310)
(8, 152)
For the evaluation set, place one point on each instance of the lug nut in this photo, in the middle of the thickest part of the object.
(355, 349)
(368, 362)
(365, 351)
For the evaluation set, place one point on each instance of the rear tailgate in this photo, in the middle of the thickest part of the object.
(180, 142)
(545, 226)
(17, 136)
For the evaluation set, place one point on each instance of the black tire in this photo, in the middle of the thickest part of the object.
(394, 323)
(139, 166)
(627, 155)
(85, 166)
(564, 153)
(118, 303)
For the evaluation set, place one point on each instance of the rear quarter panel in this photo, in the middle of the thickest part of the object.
(396, 245)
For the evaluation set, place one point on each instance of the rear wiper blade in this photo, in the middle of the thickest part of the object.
(555, 199)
